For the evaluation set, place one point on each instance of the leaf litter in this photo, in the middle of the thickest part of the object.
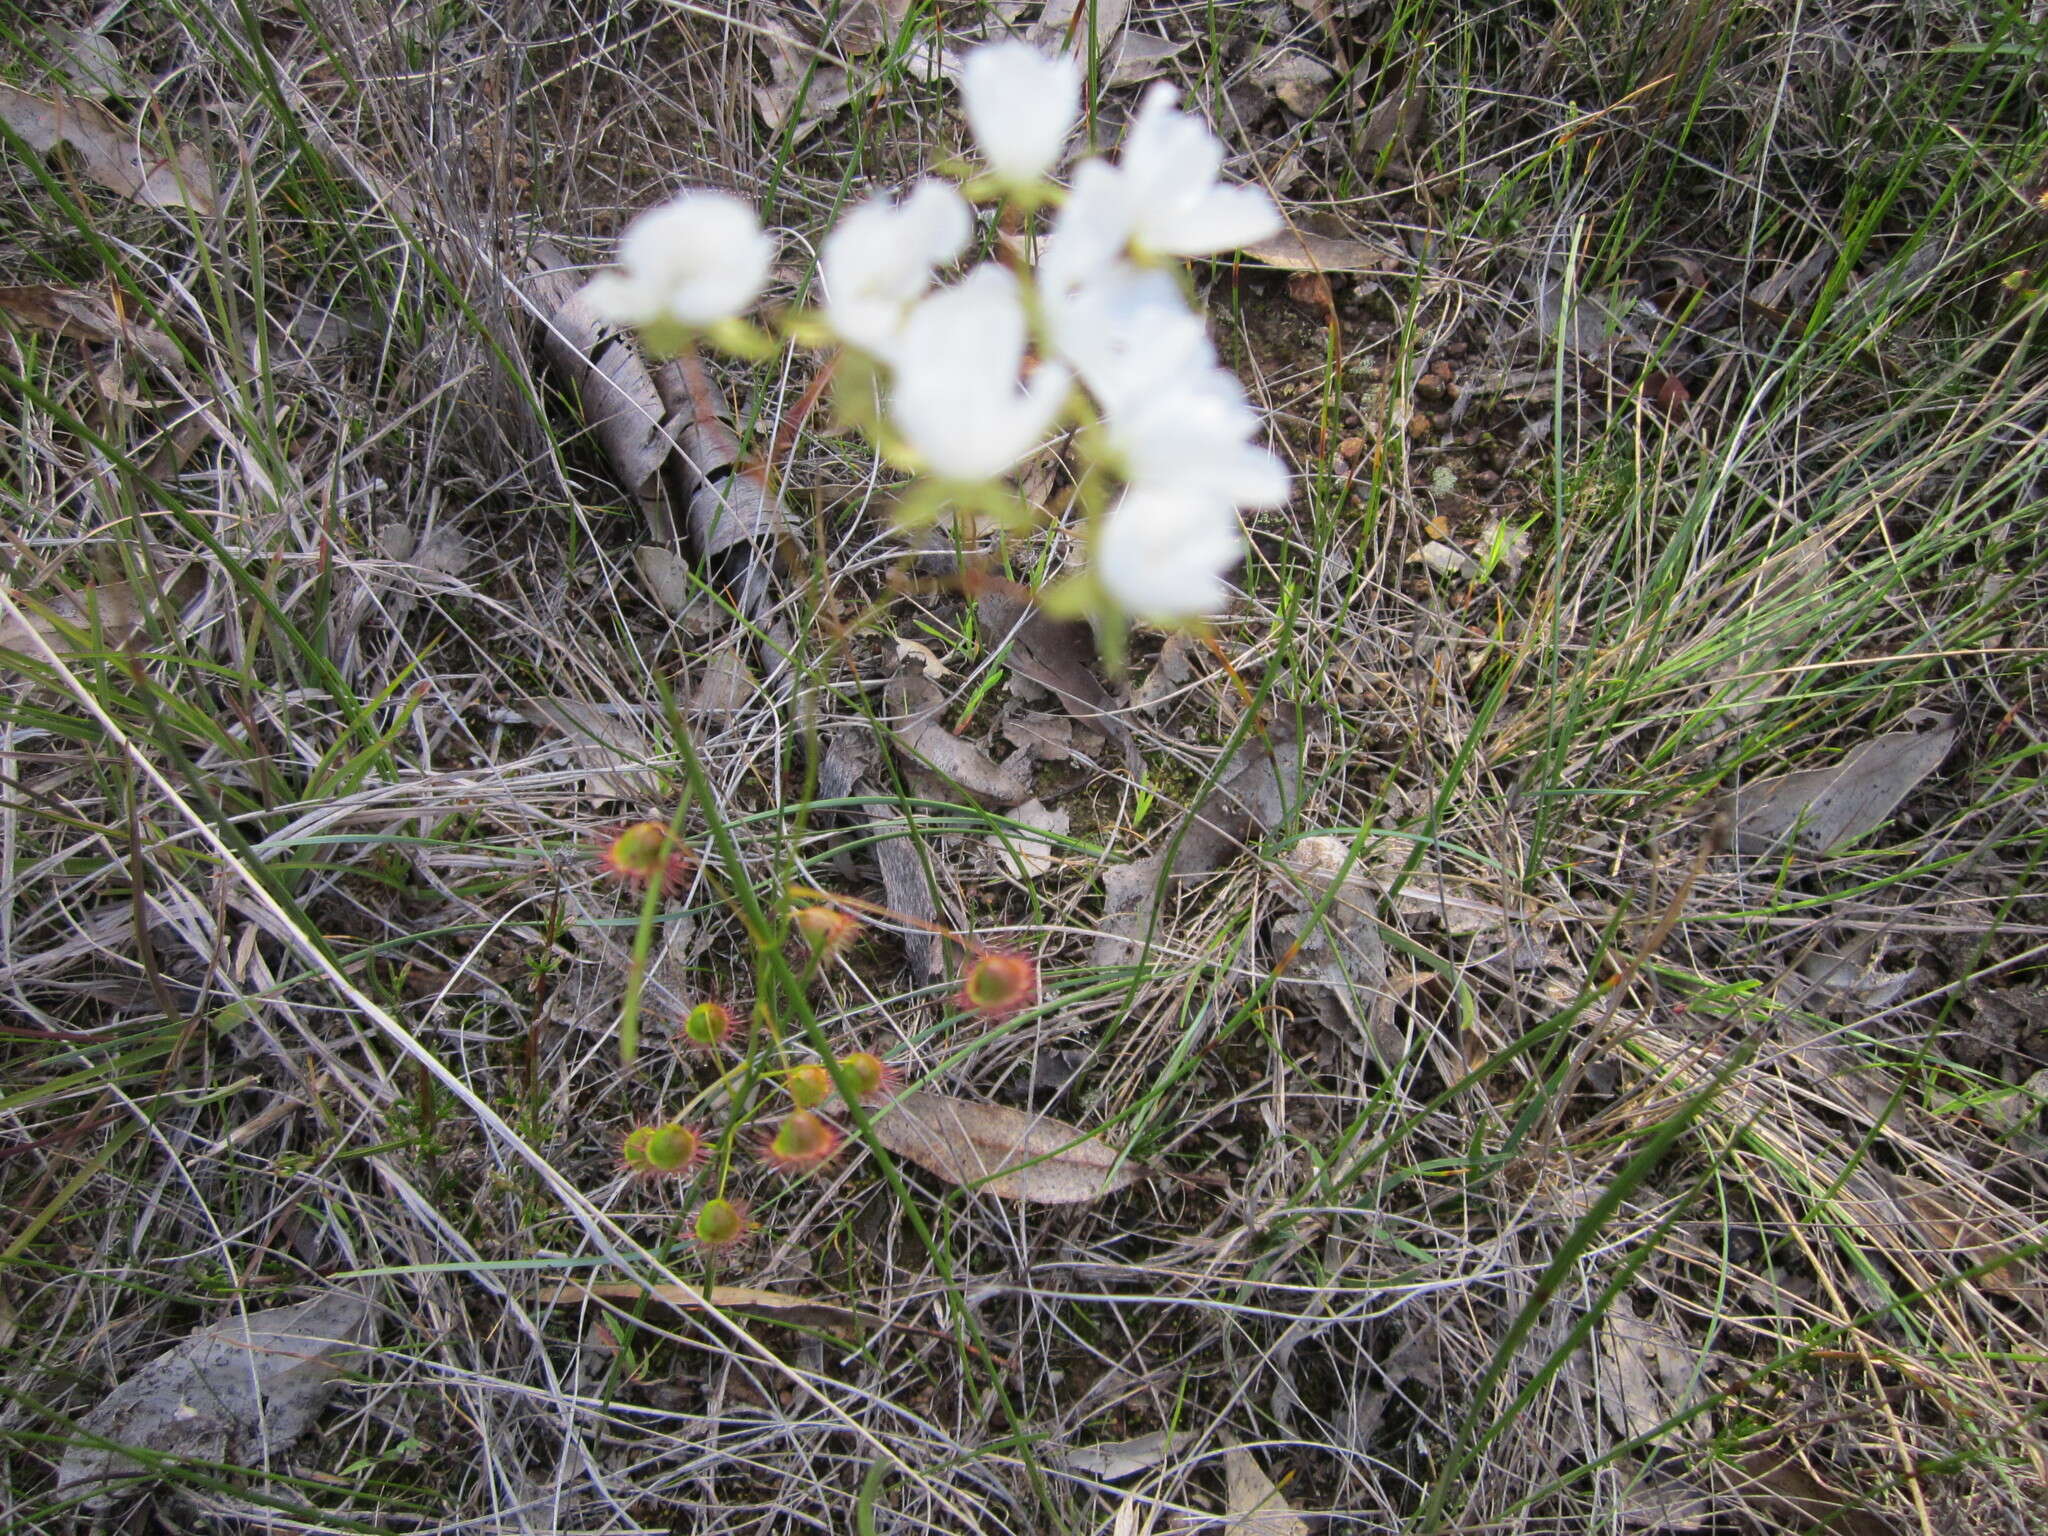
(608, 747)
(1255, 791)
(242, 1390)
(799, 1309)
(1816, 810)
(1026, 857)
(82, 315)
(1255, 1505)
(1058, 655)
(849, 771)
(110, 152)
(915, 705)
(1111, 1460)
(1008, 1153)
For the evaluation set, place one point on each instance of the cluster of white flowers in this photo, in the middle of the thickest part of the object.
(978, 373)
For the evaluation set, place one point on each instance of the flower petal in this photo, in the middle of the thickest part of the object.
(1162, 554)
(1022, 105)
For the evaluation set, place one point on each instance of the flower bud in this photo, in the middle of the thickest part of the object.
(828, 931)
(871, 1076)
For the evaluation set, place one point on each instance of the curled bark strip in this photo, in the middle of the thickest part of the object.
(667, 433)
(736, 523)
(624, 409)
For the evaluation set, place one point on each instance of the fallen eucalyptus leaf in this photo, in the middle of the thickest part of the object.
(1049, 738)
(1297, 80)
(1339, 967)
(88, 618)
(1058, 26)
(1423, 894)
(803, 89)
(1112, 1459)
(1782, 296)
(1258, 786)
(1664, 1502)
(88, 61)
(1446, 560)
(864, 25)
(1592, 324)
(667, 577)
(1028, 857)
(1850, 977)
(1004, 1152)
(1141, 57)
(1055, 654)
(1256, 1507)
(1648, 1372)
(914, 704)
(918, 651)
(1951, 1220)
(1297, 250)
(82, 315)
(1174, 668)
(827, 89)
(110, 152)
(1796, 1499)
(1387, 134)
(726, 686)
(240, 1390)
(1818, 809)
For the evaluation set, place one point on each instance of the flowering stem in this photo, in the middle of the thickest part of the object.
(643, 948)
(1216, 649)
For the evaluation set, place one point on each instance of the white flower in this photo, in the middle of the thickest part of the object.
(1130, 333)
(1089, 235)
(956, 397)
(879, 261)
(1177, 206)
(1191, 440)
(698, 259)
(1021, 105)
(1162, 554)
